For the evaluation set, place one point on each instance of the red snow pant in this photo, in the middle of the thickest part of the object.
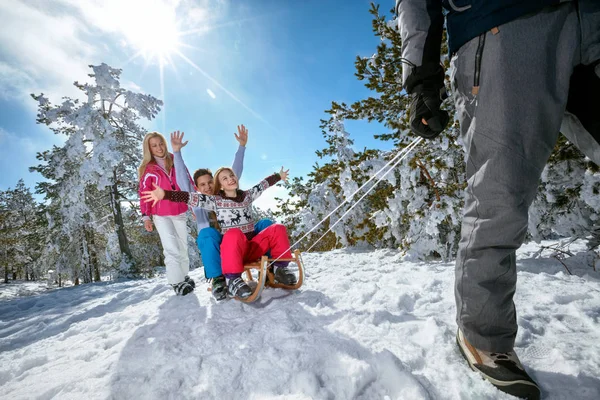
(236, 249)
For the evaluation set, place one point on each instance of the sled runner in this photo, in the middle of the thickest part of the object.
(264, 276)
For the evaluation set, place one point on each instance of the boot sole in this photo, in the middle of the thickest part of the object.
(520, 388)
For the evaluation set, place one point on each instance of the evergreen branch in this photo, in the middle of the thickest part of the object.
(564, 265)
(426, 173)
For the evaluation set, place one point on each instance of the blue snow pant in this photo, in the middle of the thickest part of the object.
(509, 129)
(209, 244)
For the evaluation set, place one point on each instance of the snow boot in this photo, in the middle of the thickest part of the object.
(284, 276)
(182, 288)
(238, 288)
(219, 288)
(503, 370)
(190, 282)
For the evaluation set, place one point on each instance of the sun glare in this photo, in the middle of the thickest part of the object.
(154, 32)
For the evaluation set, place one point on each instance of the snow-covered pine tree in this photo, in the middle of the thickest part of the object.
(417, 207)
(330, 185)
(295, 213)
(568, 200)
(18, 224)
(101, 150)
(146, 245)
(67, 211)
(5, 239)
(8, 236)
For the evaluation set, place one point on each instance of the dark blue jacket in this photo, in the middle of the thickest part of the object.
(467, 19)
(421, 23)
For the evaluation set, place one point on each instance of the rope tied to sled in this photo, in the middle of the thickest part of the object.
(395, 161)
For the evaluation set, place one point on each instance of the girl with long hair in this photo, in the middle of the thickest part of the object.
(169, 217)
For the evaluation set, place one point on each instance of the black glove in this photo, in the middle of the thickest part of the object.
(426, 87)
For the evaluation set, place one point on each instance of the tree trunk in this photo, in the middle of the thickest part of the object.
(97, 277)
(6, 274)
(118, 218)
(94, 258)
(85, 258)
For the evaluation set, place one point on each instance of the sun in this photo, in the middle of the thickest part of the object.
(154, 32)
(159, 43)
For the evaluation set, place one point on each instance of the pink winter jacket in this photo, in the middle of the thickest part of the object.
(156, 174)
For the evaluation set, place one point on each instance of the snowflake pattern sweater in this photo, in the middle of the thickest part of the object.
(232, 212)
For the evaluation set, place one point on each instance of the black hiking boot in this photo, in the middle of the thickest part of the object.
(219, 288)
(284, 276)
(238, 288)
(503, 370)
(182, 288)
(190, 282)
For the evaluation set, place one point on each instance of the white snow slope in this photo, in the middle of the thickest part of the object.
(366, 325)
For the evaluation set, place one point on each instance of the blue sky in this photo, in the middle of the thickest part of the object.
(274, 66)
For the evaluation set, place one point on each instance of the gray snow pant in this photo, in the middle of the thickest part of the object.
(509, 129)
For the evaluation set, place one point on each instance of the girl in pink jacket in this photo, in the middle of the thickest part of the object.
(169, 217)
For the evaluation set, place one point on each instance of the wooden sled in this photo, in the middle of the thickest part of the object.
(266, 277)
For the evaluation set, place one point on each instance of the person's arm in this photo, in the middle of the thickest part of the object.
(182, 175)
(238, 161)
(194, 199)
(421, 24)
(266, 183)
(146, 182)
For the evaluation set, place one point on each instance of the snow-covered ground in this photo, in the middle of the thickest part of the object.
(365, 325)
(23, 288)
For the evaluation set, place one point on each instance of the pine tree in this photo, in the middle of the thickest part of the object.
(568, 200)
(7, 238)
(18, 223)
(417, 206)
(95, 170)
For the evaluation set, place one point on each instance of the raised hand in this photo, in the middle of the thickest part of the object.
(242, 135)
(153, 196)
(177, 141)
(284, 174)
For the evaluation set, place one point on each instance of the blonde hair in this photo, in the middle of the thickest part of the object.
(217, 188)
(147, 154)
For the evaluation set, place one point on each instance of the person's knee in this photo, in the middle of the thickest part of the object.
(208, 233)
(262, 225)
(279, 229)
(207, 236)
(234, 234)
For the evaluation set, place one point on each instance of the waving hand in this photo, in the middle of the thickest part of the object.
(177, 142)
(242, 135)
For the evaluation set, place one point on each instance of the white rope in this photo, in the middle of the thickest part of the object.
(395, 160)
(415, 142)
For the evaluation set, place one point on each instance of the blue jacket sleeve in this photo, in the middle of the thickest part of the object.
(238, 162)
